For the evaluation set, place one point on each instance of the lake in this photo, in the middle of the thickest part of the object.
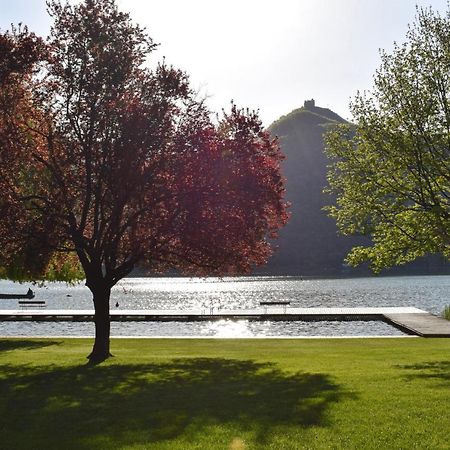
(430, 293)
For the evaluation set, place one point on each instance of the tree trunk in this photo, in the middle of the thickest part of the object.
(100, 351)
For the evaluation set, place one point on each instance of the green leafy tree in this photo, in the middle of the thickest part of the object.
(391, 170)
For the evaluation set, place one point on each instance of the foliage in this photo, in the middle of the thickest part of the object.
(446, 312)
(266, 394)
(121, 165)
(391, 171)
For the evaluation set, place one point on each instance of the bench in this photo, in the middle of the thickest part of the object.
(32, 303)
(283, 303)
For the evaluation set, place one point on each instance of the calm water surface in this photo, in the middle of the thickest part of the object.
(430, 293)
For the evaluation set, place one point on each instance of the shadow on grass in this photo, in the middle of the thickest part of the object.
(25, 344)
(83, 407)
(432, 370)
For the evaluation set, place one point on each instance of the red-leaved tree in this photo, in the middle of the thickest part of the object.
(106, 164)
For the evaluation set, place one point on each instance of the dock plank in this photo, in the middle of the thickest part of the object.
(423, 324)
(207, 314)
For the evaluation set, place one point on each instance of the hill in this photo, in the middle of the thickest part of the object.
(310, 244)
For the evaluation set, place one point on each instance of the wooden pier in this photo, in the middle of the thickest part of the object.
(408, 319)
(423, 324)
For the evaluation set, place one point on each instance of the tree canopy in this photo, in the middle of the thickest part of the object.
(106, 164)
(391, 171)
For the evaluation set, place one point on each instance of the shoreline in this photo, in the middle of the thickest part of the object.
(218, 337)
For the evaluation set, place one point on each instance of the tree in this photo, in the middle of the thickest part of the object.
(391, 171)
(106, 164)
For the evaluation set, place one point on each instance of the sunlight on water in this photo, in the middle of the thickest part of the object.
(430, 293)
(221, 328)
(228, 329)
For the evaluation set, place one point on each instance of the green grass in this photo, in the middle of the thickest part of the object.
(226, 394)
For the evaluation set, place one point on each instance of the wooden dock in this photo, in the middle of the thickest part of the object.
(408, 319)
(423, 324)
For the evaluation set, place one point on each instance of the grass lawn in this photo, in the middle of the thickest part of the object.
(226, 394)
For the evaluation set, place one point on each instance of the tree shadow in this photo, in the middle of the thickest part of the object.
(24, 344)
(142, 404)
(432, 370)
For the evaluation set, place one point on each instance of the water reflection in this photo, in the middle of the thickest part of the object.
(228, 329)
(212, 294)
(220, 328)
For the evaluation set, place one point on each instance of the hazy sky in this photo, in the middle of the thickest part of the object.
(263, 54)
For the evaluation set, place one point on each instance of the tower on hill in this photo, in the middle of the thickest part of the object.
(309, 104)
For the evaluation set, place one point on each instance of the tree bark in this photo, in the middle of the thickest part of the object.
(101, 349)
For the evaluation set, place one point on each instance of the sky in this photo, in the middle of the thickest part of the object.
(262, 54)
